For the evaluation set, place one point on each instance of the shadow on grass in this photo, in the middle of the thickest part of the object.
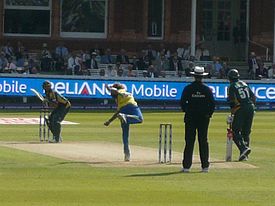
(21, 142)
(82, 162)
(162, 174)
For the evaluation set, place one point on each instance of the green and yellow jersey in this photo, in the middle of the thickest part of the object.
(239, 94)
(55, 99)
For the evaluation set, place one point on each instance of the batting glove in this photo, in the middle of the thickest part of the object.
(229, 119)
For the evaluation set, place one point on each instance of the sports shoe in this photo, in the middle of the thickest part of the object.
(246, 158)
(205, 170)
(244, 154)
(122, 118)
(185, 170)
(127, 157)
(53, 141)
(60, 139)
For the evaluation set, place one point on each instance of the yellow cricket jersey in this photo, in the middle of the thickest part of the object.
(124, 98)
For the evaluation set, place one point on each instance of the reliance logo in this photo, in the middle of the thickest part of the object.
(77, 88)
(99, 90)
(140, 89)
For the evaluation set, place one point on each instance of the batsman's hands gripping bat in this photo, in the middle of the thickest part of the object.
(229, 119)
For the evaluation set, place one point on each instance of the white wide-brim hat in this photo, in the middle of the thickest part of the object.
(199, 71)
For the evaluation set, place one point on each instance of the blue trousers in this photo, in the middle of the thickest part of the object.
(133, 116)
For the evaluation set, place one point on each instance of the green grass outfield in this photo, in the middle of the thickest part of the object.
(32, 179)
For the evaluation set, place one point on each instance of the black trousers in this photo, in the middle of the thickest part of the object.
(55, 118)
(241, 126)
(196, 125)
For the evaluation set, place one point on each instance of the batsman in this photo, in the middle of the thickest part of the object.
(61, 107)
(242, 103)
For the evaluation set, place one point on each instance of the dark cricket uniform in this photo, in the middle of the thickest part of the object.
(61, 107)
(241, 100)
(198, 103)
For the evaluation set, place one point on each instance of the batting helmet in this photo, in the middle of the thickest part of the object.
(233, 74)
(46, 84)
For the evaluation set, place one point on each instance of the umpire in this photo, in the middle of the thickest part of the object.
(61, 107)
(242, 103)
(198, 103)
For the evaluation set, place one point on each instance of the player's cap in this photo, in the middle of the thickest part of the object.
(199, 71)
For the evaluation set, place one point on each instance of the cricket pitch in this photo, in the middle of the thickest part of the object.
(106, 154)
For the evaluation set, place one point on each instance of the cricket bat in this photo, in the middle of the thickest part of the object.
(38, 95)
(229, 143)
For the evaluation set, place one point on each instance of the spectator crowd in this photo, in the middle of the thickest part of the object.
(148, 63)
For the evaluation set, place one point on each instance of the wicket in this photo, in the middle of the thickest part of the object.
(44, 131)
(165, 130)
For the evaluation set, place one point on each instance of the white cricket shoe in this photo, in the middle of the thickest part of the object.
(244, 154)
(205, 170)
(53, 141)
(122, 118)
(127, 157)
(185, 170)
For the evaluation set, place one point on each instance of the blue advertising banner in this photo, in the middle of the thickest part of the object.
(143, 90)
